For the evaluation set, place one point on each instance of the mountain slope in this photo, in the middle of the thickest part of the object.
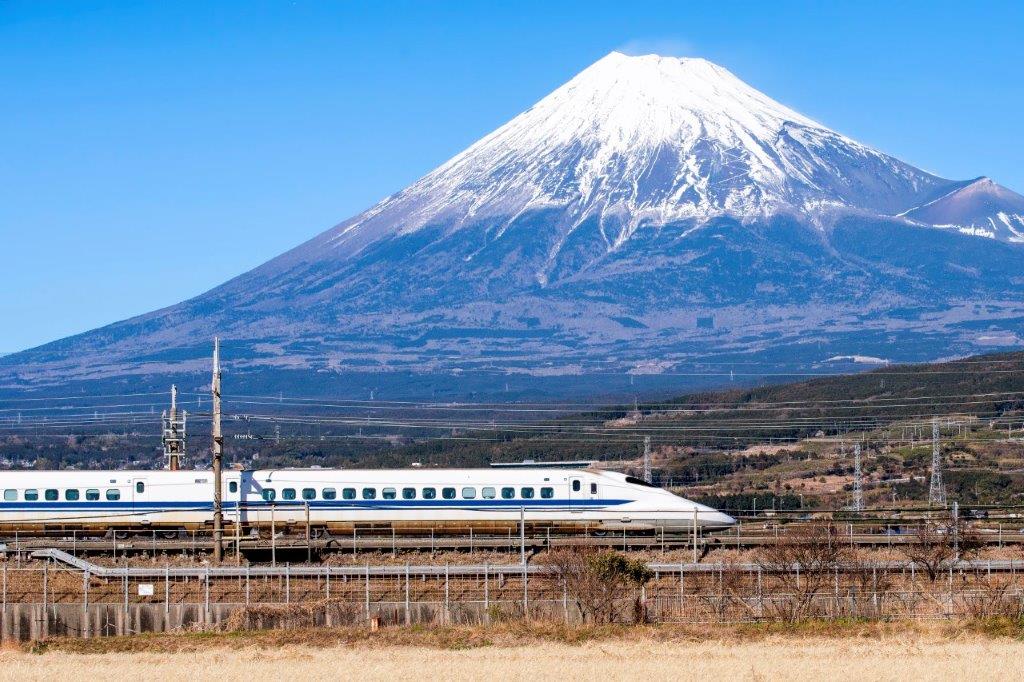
(650, 214)
(980, 207)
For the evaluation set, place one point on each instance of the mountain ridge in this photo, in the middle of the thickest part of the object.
(723, 225)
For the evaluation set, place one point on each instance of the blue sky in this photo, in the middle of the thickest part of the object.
(154, 150)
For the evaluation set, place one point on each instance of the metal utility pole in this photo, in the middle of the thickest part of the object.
(936, 491)
(858, 491)
(173, 435)
(218, 458)
(647, 458)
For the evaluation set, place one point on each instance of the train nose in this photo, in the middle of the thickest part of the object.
(719, 520)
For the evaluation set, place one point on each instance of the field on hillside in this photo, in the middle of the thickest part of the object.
(893, 655)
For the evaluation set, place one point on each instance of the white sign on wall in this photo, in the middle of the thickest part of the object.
(145, 589)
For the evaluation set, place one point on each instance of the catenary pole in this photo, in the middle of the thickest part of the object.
(218, 457)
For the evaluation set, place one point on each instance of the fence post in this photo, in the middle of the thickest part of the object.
(526, 594)
(367, 575)
(949, 611)
(167, 590)
(682, 592)
(206, 594)
(5, 589)
(125, 583)
(328, 583)
(874, 587)
(446, 606)
(760, 593)
(565, 599)
(247, 582)
(487, 593)
(85, 600)
(408, 615)
(835, 613)
(288, 583)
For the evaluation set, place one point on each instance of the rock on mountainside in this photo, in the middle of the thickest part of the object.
(651, 214)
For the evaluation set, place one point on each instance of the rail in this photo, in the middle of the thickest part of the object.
(454, 570)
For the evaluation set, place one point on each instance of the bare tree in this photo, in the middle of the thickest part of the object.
(597, 581)
(935, 543)
(801, 564)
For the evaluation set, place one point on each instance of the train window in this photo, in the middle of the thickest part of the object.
(348, 493)
(488, 493)
(309, 493)
(547, 493)
(51, 494)
(448, 493)
(287, 493)
(233, 486)
(269, 494)
(113, 494)
(330, 493)
(92, 494)
(71, 494)
(575, 485)
(369, 493)
(389, 493)
(526, 493)
(508, 493)
(408, 493)
(10, 495)
(468, 493)
(429, 493)
(31, 495)
(140, 487)
(593, 488)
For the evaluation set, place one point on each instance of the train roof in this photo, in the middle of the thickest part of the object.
(406, 472)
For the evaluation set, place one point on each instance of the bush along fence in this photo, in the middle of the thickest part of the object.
(812, 575)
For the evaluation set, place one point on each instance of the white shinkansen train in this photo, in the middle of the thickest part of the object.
(343, 499)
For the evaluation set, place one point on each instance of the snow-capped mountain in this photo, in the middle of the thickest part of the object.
(979, 207)
(649, 139)
(650, 214)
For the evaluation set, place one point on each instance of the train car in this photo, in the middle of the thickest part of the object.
(339, 500)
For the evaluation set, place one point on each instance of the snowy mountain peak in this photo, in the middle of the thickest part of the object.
(979, 207)
(647, 140)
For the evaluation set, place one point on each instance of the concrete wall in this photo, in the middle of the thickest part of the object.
(25, 622)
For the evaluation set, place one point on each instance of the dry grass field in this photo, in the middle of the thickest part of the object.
(874, 653)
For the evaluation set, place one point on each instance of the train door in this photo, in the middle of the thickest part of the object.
(581, 489)
(140, 495)
(576, 489)
(232, 498)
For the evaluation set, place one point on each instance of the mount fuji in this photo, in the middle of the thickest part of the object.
(651, 216)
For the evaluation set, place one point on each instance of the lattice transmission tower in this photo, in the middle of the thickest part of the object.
(858, 489)
(936, 491)
(647, 458)
(173, 432)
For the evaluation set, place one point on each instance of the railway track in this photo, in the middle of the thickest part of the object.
(292, 545)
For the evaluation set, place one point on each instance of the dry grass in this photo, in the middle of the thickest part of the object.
(833, 651)
(775, 657)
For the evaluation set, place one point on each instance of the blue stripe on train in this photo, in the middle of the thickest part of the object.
(257, 505)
